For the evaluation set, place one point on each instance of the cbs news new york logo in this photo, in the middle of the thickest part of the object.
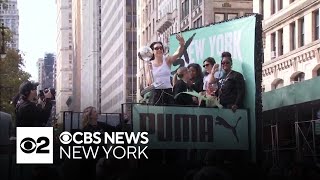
(34, 145)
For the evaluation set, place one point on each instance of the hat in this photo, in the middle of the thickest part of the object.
(27, 86)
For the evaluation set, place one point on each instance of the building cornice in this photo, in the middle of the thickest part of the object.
(292, 59)
(274, 21)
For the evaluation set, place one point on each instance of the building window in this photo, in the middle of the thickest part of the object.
(273, 45)
(153, 25)
(298, 78)
(196, 3)
(232, 15)
(278, 84)
(273, 6)
(261, 7)
(197, 23)
(147, 34)
(218, 17)
(302, 31)
(280, 42)
(280, 4)
(316, 25)
(318, 72)
(185, 9)
(292, 36)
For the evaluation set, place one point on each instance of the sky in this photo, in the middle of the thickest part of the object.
(37, 32)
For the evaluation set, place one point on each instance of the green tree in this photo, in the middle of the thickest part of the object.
(11, 72)
(11, 76)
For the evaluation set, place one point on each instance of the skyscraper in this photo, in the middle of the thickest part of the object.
(88, 54)
(40, 65)
(118, 54)
(64, 57)
(46, 71)
(9, 16)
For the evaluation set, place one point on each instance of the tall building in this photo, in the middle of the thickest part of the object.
(40, 65)
(157, 20)
(90, 55)
(64, 57)
(46, 71)
(54, 85)
(291, 41)
(118, 54)
(9, 16)
(76, 51)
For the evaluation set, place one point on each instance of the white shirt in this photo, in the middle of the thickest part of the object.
(205, 82)
(161, 75)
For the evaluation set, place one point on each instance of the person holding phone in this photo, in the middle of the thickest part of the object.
(28, 114)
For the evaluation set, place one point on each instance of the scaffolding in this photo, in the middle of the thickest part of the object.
(306, 141)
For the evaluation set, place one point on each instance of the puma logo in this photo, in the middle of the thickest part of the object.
(224, 123)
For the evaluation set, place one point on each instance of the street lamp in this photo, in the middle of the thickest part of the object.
(3, 47)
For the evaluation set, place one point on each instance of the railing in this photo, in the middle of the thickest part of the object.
(72, 120)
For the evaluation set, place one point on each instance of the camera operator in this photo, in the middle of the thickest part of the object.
(28, 113)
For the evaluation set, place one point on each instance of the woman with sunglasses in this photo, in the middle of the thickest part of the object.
(210, 67)
(161, 70)
(231, 86)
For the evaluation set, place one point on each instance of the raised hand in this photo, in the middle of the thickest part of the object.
(180, 39)
(215, 68)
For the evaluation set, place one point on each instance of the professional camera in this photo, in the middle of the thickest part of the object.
(52, 90)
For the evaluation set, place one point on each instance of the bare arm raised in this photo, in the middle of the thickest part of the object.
(179, 51)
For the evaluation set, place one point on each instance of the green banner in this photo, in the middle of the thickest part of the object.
(236, 36)
(171, 127)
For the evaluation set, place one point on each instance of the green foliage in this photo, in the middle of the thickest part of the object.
(12, 75)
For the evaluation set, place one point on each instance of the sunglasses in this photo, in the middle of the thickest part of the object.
(205, 65)
(225, 63)
(158, 48)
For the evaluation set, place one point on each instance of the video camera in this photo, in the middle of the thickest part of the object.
(52, 90)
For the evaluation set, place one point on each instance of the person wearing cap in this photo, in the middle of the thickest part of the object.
(28, 114)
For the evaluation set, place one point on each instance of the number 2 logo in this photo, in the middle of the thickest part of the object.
(29, 145)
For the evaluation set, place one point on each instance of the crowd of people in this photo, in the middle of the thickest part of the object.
(224, 83)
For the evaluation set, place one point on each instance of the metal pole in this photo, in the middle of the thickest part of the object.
(314, 141)
(296, 125)
(132, 7)
(3, 40)
(64, 121)
(106, 119)
(71, 124)
(272, 144)
(277, 145)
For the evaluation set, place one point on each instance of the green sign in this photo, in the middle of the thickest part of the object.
(171, 127)
(236, 36)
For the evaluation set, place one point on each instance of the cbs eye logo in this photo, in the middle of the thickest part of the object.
(29, 145)
(65, 137)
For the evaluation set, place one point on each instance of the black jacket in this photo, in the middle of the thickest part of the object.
(232, 90)
(28, 114)
(182, 99)
(197, 85)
